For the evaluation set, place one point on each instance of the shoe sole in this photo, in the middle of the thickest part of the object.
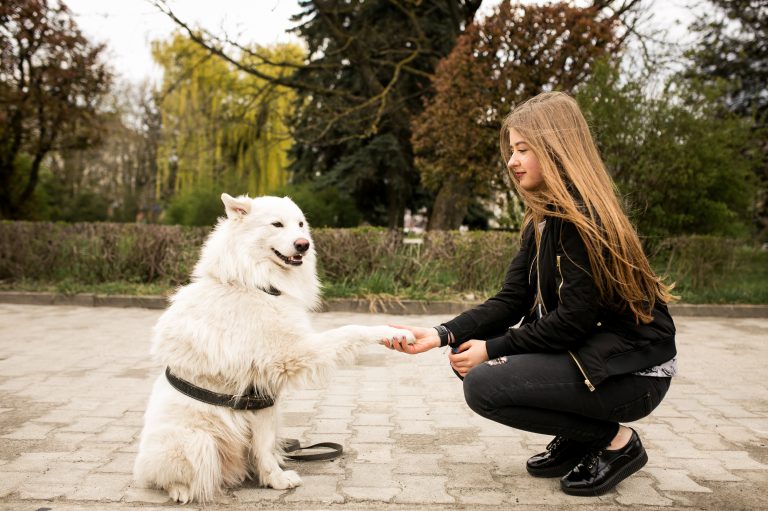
(557, 471)
(622, 474)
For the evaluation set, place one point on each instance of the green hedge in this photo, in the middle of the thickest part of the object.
(368, 262)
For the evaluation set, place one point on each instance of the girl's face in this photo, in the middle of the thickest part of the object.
(523, 165)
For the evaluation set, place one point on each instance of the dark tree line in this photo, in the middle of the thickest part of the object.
(52, 80)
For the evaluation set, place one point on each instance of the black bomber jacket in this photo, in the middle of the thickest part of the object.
(601, 339)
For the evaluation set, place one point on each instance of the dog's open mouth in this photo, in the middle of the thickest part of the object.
(294, 260)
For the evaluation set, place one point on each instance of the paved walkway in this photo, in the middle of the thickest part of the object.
(74, 382)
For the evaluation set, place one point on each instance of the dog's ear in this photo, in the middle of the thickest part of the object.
(236, 208)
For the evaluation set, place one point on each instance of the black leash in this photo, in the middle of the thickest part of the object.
(293, 445)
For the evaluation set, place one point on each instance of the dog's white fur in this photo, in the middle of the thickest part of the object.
(223, 332)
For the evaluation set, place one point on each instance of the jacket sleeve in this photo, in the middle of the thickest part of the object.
(579, 305)
(504, 309)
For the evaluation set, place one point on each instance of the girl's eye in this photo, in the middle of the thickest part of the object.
(301, 224)
(277, 224)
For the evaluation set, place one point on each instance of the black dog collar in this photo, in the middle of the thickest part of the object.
(250, 401)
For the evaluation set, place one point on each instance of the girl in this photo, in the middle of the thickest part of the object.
(596, 345)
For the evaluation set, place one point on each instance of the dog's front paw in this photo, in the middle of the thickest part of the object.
(387, 334)
(283, 479)
(179, 493)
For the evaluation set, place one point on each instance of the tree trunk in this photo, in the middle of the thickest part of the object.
(450, 208)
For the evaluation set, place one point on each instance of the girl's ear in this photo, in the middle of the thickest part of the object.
(236, 207)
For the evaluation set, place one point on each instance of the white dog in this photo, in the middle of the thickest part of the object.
(241, 324)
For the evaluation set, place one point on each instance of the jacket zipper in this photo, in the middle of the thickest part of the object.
(562, 280)
(586, 378)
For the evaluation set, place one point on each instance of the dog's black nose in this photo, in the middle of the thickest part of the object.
(301, 245)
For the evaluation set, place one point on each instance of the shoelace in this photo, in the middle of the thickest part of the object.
(554, 444)
(590, 460)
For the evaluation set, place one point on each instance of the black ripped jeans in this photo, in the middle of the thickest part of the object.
(545, 393)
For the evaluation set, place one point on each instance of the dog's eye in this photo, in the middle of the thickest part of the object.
(301, 224)
(277, 224)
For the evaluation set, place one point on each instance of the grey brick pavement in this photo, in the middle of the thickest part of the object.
(74, 381)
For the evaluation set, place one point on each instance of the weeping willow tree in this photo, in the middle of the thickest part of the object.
(220, 127)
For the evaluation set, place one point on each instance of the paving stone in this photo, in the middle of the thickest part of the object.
(423, 490)
(416, 427)
(316, 488)
(370, 494)
(639, 491)
(480, 497)
(426, 464)
(464, 453)
(372, 419)
(88, 424)
(33, 490)
(321, 426)
(333, 467)
(736, 434)
(32, 462)
(372, 453)
(680, 448)
(738, 460)
(707, 470)
(675, 480)
(757, 425)
(707, 441)
(334, 412)
(121, 463)
(107, 487)
(363, 475)
(373, 434)
(299, 405)
(473, 475)
(30, 431)
(117, 434)
(10, 481)
(145, 495)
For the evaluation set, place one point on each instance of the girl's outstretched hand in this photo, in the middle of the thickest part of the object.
(426, 339)
(469, 354)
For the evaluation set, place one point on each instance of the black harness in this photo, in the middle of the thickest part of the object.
(249, 401)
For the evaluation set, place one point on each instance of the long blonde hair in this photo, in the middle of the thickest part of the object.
(577, 187)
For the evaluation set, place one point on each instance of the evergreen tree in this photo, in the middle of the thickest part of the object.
(381, 54)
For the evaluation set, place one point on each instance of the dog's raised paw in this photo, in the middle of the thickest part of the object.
(388, 333)
(281, 480)
(179, 493)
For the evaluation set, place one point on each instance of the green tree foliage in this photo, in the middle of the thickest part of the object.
(52, 81)
(683, 161)
(734, 49)
(369, 69)
(515, 53)
(323, 206)
(221, 128)
(733, 55)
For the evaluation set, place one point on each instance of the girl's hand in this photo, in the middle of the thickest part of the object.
(426, 339)
(470, 354)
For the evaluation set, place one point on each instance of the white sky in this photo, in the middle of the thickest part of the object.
(128, 26)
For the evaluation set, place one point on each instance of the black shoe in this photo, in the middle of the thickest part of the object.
(560, 457)
(601, 470)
